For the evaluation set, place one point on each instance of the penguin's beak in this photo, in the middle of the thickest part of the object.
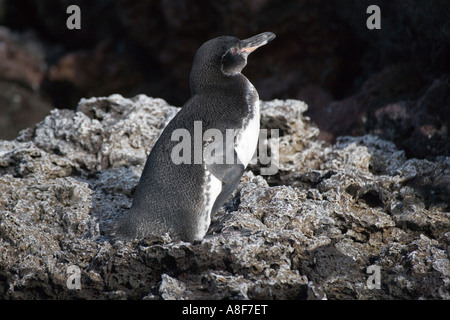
(251, 44)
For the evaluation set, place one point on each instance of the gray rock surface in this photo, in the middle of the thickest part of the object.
(310, 231)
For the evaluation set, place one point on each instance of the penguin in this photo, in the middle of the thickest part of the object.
(180, 198)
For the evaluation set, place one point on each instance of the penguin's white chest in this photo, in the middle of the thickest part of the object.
(213, 187)
(246, 139)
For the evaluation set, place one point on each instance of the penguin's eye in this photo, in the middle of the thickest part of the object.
(234, 50)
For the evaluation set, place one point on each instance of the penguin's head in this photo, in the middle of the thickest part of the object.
(235, 51)
(225, 55)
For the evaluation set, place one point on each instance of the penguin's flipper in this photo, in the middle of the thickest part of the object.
(225, 167)
(227, 173)
(230, 175)
(219, 165)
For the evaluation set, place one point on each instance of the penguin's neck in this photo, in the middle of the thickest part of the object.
(209, 81)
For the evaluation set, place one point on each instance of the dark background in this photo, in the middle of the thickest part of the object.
(392, 82)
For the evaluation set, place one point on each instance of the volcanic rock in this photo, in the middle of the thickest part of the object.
(310, 231)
